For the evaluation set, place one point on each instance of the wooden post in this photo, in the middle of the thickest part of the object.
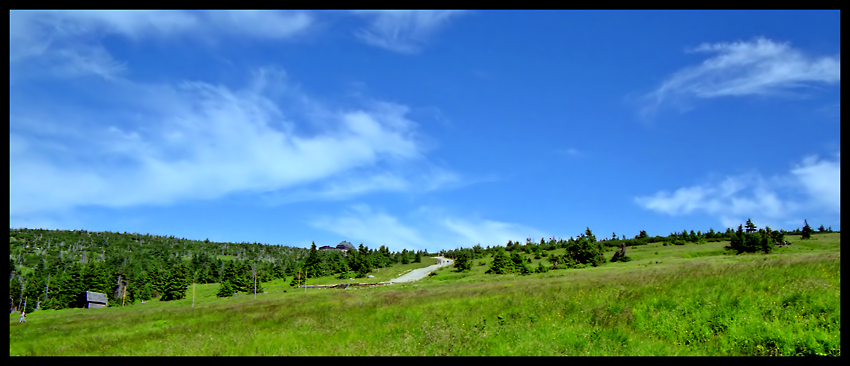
(24, 309)
(125, 295)
(193, 293)
(255, 283)
(305, 281)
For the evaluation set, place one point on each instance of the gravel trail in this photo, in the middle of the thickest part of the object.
(418, 274)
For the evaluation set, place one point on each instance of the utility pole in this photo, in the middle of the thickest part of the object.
(255, 281)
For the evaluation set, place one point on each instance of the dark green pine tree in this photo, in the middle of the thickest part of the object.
(71, 286)
(313, 262)
(145, 288)
(807, 230)
(225, 290)
(519, 265)
(821, 229)
(404, 259)
(16, 291)
(35, 286)
(501, 263)
(736, 243)
(463, 262)
(175, 283)
(767, 240)
(233, 274)
(750, 227)
(417, 258)
(278, 271)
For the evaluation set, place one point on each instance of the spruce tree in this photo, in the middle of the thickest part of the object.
(750, 227)
(807, 230)
(175, 283)
(16, 291)
(404, 259)
(501, 263)
(737, 241)
(312, 264)
(463, 262)
(225, 290)
(145, 292)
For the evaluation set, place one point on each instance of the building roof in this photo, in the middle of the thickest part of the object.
(95, 297)
(346, 245)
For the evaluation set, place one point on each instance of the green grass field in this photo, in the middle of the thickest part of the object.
(669, 300)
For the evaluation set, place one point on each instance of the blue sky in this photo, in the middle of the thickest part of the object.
(423, 129)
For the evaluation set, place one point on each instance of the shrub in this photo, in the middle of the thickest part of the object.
(463, 262)
(225, 290)
(541, 268)
(501, 263)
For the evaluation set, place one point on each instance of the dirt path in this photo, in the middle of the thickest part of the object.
(418, 274)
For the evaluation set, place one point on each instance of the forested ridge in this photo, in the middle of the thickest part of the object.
(51, 268)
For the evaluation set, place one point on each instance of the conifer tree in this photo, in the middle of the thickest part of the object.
(501, 263)
(463, 262)
(807, 230)
(175, 283)
(16, 290)
(750, 227)
(225, 290)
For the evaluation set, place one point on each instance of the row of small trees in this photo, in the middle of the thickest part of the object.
(748, 238)
(586, 250)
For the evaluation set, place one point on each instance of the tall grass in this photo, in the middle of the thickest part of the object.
(783, 304)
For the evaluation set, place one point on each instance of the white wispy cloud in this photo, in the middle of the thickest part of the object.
(810, 187)
(149, 144)
(758, 67)
(67, 43)
(426, 228)
(403, 31)
(171, 143)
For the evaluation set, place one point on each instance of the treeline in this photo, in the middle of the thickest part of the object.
(586, 250)
(51, 268)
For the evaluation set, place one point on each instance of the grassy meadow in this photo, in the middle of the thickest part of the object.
(694, 300)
